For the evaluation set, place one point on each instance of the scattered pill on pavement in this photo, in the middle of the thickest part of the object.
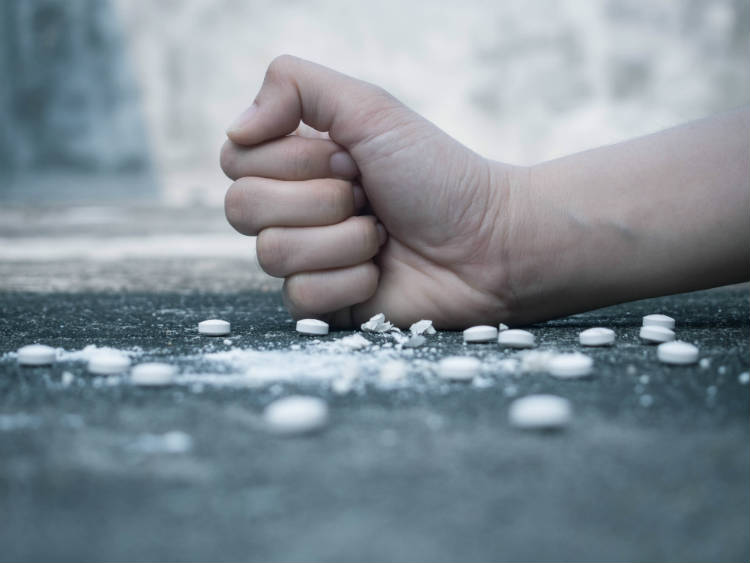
(570, 365)
(214, 327)
(597, 336)
(677, 352)
(481, 333)
(516, 338)
(312, 326)
(540, 412)
(108, 362)
(458, 368)
(296, 414)
(153, 373)
(36, 355)
(656, 333)
(659, 320)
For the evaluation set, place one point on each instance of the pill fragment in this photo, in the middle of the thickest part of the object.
(214, 327)
(108, 362)
(312, 327)
(677, 352)
(540, 412)
(458, 368)
(656, 333)
(516, 338)
(377, 323)
(480, 333)
(422, 327)
(502, 326)
(597, 336)
(568, 366)
(744, 378)
(296, 414)
(659, 320)
(36, 355)
(153, 374)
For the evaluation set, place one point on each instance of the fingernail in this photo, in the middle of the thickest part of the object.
(243, 119)
(360, 199)
(342, 165)
(382, 234)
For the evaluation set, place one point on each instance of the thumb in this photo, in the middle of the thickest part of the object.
(296, 90)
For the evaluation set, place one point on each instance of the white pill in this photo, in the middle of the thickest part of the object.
(677, 352)
(214, 327)
(656, 333)
(153, 373)
(481, 333)
(659, 320)
(108, 363)
(296, 415)
(36, 355)
(516, 338)
(598, 336)
(540, 412)
(570, 365)
(312, 326)
(458, 368)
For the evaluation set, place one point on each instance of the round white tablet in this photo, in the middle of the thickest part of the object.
(153, 373)
(570, 365)
(312, 326)
(458, 368)
(481, 333)
(214, 327)
(36, 355)
(659, 320)
(108, 363)
(598, 336)
(516, 338)
(296, 415)
(656, 333)
(540, 411)
(677, 352)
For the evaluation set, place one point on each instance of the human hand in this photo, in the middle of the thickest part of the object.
(444, 208)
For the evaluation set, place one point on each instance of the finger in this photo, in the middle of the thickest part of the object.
(288, 158)
(254, 204)
(295, 89)
(284, 251)
(319, 293)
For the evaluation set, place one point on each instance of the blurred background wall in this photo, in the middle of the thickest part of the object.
(105, 100)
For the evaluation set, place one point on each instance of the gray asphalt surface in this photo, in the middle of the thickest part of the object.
(427, 471)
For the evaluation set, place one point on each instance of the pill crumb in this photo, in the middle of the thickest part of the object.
(567, 366)
(108, 362)
(533, 361)
(597, 336)
(677, 353)
(153, 374)
(502, 326)
(656, 334)
(516, 338)
(377, 323)
(540, 412)
(644, 379)
(312, 327)
(227, 342)
(296, 414)
(353, 342)
(659, 320)
(722, 370)
(414, 341)
(214, 327)
(646, 400)
(422, 327)
(392, 372)
(705, 363)
(480, 333)
(67, 378)
(458, 368)
(36, 355)
(744, 378)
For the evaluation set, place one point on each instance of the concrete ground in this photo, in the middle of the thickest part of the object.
(651, 468)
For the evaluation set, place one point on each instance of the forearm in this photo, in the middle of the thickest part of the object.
(665, 213)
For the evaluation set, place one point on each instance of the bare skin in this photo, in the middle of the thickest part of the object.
(384, 212)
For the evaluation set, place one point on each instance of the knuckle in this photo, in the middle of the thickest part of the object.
(271, 252)
(278, 67)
